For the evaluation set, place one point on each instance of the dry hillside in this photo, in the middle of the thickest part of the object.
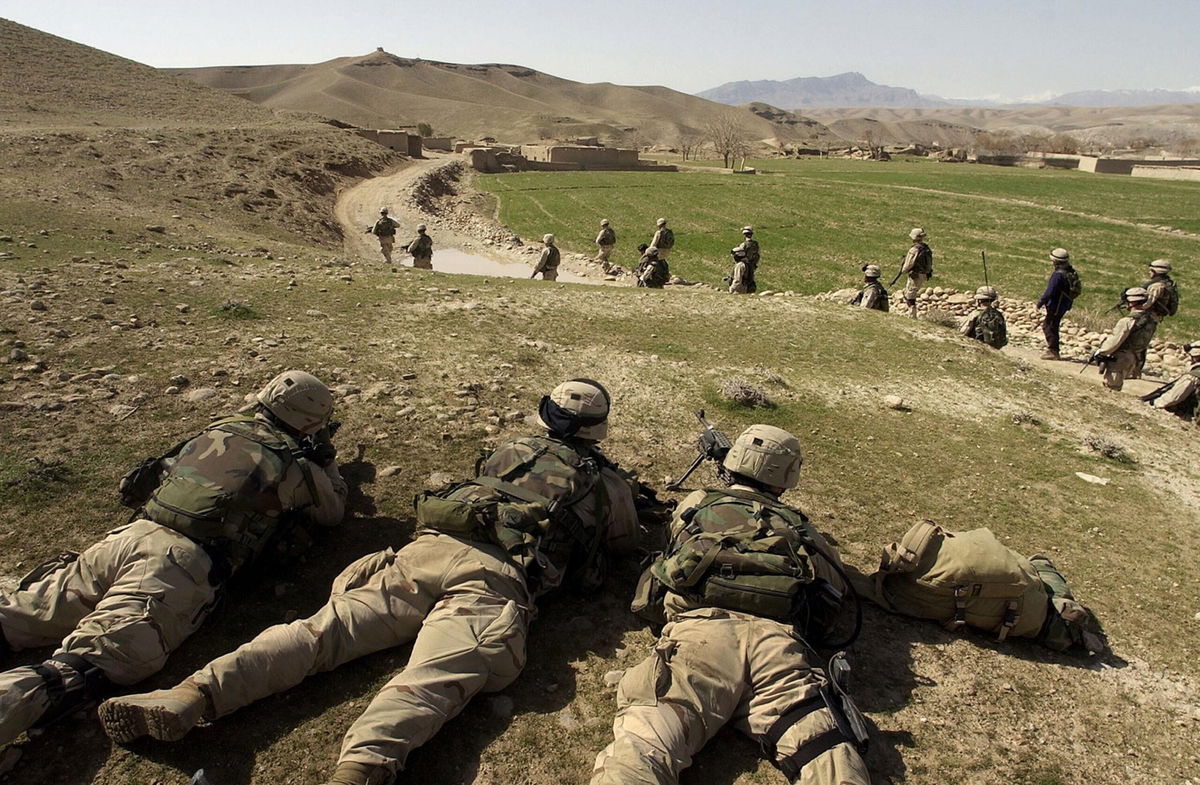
(509, 102)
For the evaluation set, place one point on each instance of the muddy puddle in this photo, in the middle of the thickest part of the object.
(452, 260)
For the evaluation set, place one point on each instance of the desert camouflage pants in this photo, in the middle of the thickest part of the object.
(464, 608)
(386, 243)
(550, 274)
(123, 605)
(423, 262)
(710, 667)
(914, 285)
(1120, 369)
(603, 254)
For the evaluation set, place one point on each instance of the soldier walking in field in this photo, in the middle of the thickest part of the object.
(872, 296)
(1061, 290)
(663, 240)
(918, 266)
(542, 512)
(548, 262)
(745, 583)
(605, 241)
(208, 510)
(1118, 354)
(421, 249)
(986, 324)
(385, 230)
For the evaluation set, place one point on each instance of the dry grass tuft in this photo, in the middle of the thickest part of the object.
(1109, 449)
(743, 393)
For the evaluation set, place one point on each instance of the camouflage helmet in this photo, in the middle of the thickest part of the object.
(988, 293)
(768, 454)
(604, 222)
(871, 270)
(916, 234)
(1060, 255)
(1161, 265)
(577, 408)
(548, 239)
(747, 230)
(1136, 295)
(420, 227)
(383, 211)
(651, 250)
(299, 400)
(661, 222)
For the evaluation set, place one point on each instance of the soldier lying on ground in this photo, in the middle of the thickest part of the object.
(1179, 396)
(125, 603)
(543, 512)
(736, 643)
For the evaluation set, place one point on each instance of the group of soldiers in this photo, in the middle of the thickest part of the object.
(420, 247)
(542, 512)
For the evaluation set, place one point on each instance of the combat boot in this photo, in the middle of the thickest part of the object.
(166, 715)
(349, 773)
(1050, 354)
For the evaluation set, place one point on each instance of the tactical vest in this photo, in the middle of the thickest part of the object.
(745, 551)
(666, 239)
(1168, 303)
(659, 275)
(540, 499)
(421, 247)
(607, 237)
(384, 227)
(1144, 325)
(552, 258)
(991, 329)
(752, 252)
(222, 490)
(875, 297)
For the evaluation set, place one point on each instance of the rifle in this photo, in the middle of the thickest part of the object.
(712, 444)
(1096, 359)
(983, 256)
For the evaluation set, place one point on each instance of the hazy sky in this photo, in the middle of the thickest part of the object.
(953, 48)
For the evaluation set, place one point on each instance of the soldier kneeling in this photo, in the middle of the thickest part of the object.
(735, 647)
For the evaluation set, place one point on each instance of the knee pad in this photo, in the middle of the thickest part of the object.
(71, 683)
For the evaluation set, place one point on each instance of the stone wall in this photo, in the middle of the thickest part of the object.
(586, 157)
(442, 143)
(400, 141)
(1167, 172)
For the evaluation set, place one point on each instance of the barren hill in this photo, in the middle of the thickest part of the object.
(848, 89)
(509, 102)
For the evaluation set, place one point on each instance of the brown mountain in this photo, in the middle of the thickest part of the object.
(509, 102)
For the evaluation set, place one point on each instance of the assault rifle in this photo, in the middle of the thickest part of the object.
(712, 444)
(1122, 304)
(1097, 359)
(318, 447)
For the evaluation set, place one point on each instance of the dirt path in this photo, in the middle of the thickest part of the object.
(1132, 388)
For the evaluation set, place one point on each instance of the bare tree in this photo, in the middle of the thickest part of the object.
(689, 143)
(727, 135)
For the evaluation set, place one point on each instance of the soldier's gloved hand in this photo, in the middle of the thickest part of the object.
(323, 453)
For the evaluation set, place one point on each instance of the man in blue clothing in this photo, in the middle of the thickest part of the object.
(1062, 289)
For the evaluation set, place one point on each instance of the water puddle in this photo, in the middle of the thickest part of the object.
(452, 260)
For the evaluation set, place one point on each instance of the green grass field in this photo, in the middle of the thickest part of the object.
(820, 220)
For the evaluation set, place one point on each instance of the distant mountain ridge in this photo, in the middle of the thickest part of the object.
(852, 89)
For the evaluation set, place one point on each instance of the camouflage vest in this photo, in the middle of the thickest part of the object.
(874, 296)
(659, 274)
(384, 227)
(553, 257)
(1167, 304)
(421, 247)
(539, 498)
(752, 252)
(1144, 325)
(607, 237)
(748, 552)
(991, 329)
(222, 490)
(666, 239)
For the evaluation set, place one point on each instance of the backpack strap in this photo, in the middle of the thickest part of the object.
(904, 556)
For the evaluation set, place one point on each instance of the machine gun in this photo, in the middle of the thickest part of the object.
(712, 444)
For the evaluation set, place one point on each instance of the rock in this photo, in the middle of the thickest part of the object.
(438, 479)
(1093, 479)
(502, 706)
(37, 305)
(179, 380)
(897, 403)
(182, 307)
(17, 355)
(613, 678)
(408, 377)
(201, 394)
(172, 390)
(566, 719)
(108, 300)
(389, 471)
(156, 228)
(120, 410)
(342, 390)
(313, 313)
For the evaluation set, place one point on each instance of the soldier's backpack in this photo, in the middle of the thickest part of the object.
(223, 487)
(666, 239)
(1074, 283)
(743, 551)
(924, 262)
(991, 328)
(972, 579)
(422, 246)
(522, 493)
(1169, 302)
(384, 227)
(659, 275)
